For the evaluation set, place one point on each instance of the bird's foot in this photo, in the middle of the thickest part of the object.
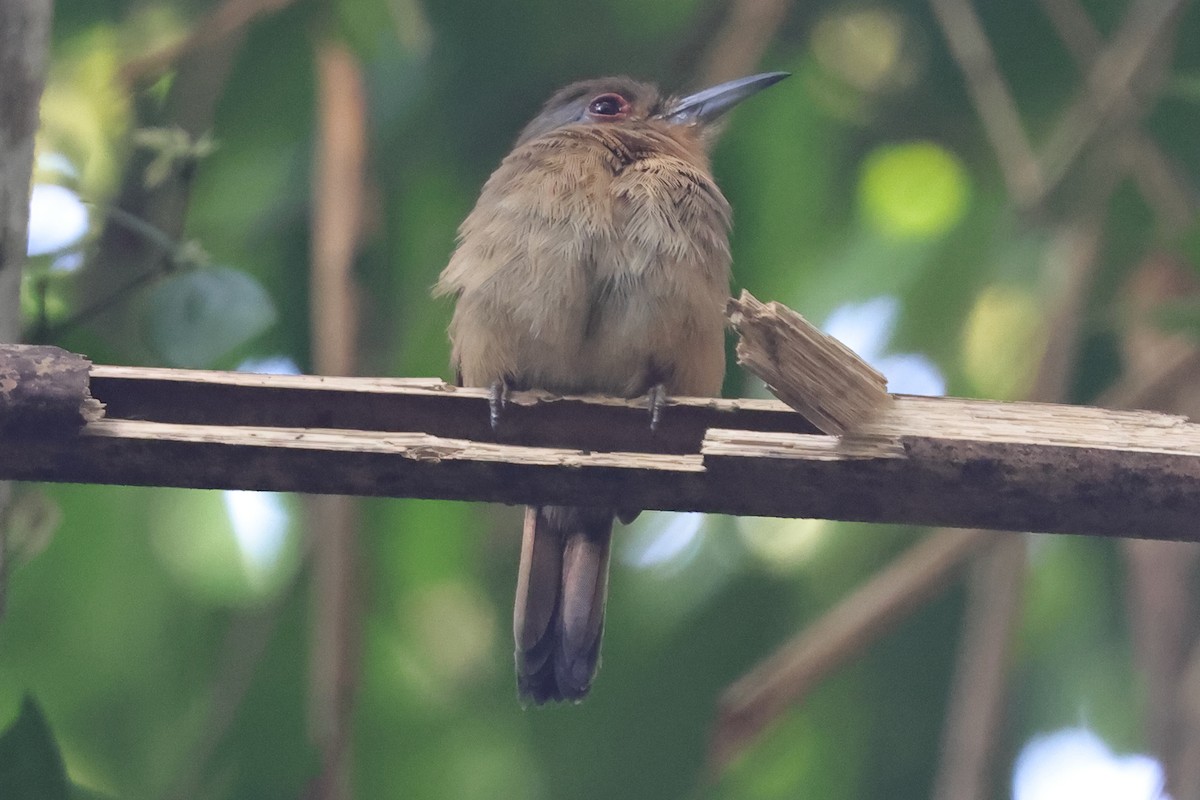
(656, 399)
(497, 400)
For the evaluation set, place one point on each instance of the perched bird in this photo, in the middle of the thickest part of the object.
(596, 260)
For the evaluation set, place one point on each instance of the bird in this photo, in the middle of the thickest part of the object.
(595, 261)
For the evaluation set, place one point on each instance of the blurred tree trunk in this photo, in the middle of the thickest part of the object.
(24, 42)
(24, 46)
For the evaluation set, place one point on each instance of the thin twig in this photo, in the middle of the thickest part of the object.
(228, 18)
(1185, 782)
(992, 99)
(245, 644)
(337, 203)
(981, 673)
(337, 200)
(1071, 263)
(1107, 94)
(1160, 182)
(150, 234)
(1159, 596)
(757, 698)
(749, 29)
(197, 85)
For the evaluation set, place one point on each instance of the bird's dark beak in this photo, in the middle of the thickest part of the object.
(708, 104)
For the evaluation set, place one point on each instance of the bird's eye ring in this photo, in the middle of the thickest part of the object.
(608, 106)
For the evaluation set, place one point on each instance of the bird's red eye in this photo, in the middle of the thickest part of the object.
(608, 106)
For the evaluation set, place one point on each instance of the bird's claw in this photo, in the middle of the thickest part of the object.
(656, 400)
(497, 401)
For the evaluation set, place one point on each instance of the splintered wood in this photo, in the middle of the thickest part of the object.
(919, 461)
(812, 372)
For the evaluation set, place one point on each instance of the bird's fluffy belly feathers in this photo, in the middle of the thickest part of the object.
(594, 261)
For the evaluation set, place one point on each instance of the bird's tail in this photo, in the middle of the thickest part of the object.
(562, 586)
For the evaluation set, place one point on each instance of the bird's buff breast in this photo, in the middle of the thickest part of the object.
(594, 263)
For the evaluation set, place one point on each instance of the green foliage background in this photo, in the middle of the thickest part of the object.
(134, 621)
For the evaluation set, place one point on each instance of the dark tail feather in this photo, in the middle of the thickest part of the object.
(561, 589)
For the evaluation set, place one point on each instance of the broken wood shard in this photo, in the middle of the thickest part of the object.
(814, 373)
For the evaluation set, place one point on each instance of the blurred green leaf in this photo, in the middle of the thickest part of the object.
(1003, 342)
(29, 522)
(914, 190)
(193, 318)
(31, 768)
(173, 149)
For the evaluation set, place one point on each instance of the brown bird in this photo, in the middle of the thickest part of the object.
(596, 260)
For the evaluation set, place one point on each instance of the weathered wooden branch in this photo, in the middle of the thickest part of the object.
(24, 54)
(936, 461)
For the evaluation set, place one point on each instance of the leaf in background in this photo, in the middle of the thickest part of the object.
(914, 190)
(174, 149)
(30, 521)
(31, 767)
(194, 318)
(1002, 342)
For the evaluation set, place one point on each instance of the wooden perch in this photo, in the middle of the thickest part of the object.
(809, 370)
(934, 461)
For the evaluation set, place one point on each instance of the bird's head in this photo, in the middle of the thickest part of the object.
(607, 101)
